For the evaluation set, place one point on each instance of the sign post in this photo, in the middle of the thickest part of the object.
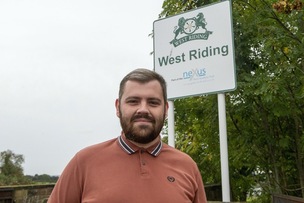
(223, 147)
(194, 52)
(171, 133)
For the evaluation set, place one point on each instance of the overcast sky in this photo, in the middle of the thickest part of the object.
(60, 66)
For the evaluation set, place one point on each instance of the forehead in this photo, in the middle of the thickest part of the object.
(148, 89)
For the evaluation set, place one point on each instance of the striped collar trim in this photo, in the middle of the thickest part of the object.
(127, 148)
(157, 149)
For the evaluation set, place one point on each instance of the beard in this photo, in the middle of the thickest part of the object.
(141, 133)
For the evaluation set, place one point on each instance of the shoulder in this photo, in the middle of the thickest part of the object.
(177, 155)
(97, 150)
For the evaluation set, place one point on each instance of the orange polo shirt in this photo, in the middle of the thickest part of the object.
(117, 171)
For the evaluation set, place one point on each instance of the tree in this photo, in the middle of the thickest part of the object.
(265, 114)
(43, 178)
(11, 171)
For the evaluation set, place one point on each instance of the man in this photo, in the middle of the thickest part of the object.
(136, 167)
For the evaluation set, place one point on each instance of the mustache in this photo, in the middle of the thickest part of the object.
(144, 116)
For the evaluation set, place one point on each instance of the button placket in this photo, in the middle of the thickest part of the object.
(143, 164)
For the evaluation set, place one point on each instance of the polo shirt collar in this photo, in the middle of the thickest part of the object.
(130, 148)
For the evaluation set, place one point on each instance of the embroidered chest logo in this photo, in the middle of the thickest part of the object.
(171, 179)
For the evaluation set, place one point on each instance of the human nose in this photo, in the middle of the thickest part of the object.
(143, 108)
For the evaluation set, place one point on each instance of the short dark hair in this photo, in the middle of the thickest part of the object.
(142, 75)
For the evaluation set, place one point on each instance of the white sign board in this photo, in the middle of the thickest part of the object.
(194, 51)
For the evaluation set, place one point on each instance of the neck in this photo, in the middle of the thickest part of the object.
(147, 145)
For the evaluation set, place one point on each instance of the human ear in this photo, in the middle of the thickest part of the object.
(117, 107)
(166, 109)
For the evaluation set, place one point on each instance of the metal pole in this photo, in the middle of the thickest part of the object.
(223, 147)
(171, 133)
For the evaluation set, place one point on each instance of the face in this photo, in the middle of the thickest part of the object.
(142, 111)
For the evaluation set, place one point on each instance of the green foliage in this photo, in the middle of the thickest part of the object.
(11, 171)
(265, 115)
(192, 130)
(44, 178)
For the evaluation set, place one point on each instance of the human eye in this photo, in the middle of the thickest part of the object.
(154, 102)
(132, 101)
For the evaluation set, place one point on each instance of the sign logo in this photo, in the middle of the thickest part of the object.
(187, 28)
(195, 73)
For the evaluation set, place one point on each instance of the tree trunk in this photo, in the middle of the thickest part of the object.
(299, 156)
